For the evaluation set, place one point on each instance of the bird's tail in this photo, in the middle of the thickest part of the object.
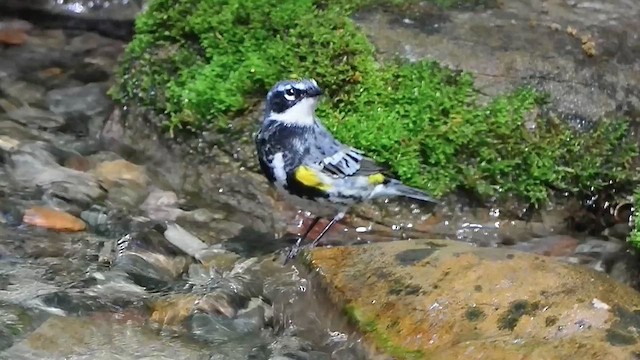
(396, 188)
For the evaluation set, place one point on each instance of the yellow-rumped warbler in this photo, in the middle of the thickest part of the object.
(310, 167)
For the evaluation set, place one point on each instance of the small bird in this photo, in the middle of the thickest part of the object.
(312, 169)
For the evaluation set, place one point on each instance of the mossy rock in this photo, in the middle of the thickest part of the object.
(441, 299)
(201, 64)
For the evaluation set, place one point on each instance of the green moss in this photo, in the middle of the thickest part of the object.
(474, 314)
(379, 336)
(517, 309)
(202, 63)
(424, 123)
(634, 237)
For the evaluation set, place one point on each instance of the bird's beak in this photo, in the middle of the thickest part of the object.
(314, 90)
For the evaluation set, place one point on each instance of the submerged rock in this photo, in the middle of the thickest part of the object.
(32, 165)
(86, 338)
(446, 300)
(112, 172)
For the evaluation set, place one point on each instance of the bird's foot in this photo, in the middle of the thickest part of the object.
(293, 251)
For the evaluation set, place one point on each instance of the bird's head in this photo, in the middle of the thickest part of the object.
(293, 102)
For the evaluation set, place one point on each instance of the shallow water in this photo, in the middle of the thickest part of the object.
(160, 271)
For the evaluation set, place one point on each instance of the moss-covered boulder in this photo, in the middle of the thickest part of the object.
(435, 299)
(207, 64)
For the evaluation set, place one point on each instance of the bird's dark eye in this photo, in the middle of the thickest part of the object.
(290, 94)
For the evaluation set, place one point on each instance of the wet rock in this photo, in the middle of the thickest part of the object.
(88, 41)
(150, 259)
(558, 245)
(215, 323)
(84, 107)
(111, 172)
(14, 322)
(127, 195)
(121, 10)
(599, 247)
(79, 163)
(52, 219)
(447, 300)
(30, 165)
(79, 338)
(580, 52)
(183, 240)
(201, 311)
(21, 91)
(107, 222)
(35, 117)
(172, 310)
(14, 32)
(162, 205)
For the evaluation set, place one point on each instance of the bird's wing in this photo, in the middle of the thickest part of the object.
(347, 161)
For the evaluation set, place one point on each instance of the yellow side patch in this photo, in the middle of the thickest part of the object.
(376, 179)
(308, 177)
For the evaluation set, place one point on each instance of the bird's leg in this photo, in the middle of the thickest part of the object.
(335, 219)
(294, 250)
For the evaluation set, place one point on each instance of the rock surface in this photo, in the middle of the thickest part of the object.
(582, 52)
(440, 299)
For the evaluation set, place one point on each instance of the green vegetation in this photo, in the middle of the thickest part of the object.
(204, 62)
(379, 336)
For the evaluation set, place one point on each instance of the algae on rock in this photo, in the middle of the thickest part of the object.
(202, 63)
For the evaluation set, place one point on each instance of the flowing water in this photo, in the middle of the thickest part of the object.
(131, 266)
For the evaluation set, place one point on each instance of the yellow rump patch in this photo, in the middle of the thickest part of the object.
(376, 179)
(309, 178)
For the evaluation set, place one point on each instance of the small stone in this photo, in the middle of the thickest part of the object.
(52, 219)
(7, 143)
(50, 72)
(599, 304)
(111, 172)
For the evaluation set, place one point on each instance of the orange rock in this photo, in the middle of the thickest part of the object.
(52, 219)
(12, 37)
(111, 172)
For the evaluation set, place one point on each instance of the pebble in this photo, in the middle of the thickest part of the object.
(78, 162)
(52, 219)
